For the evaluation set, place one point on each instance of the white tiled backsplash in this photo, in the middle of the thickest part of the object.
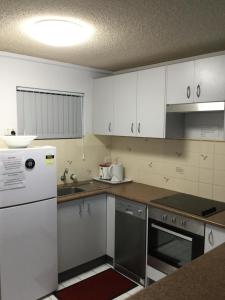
(81, 157)
(195, 167)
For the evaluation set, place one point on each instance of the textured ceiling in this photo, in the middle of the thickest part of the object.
(129, 33)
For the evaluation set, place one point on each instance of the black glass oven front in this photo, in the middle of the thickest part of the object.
(172, 246)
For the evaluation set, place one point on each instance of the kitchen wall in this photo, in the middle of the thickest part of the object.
(81, 157)
(19, 70)
(195, 167)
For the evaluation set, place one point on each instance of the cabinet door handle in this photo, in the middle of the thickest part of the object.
(109, 126)
(188, 92)
(80, 210)
(132, 127)
(198, 90)
(139, 127)
(89, 209)
(210, 238)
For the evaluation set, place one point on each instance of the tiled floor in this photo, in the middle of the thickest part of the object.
(91, 273)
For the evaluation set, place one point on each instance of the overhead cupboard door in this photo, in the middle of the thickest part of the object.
(180, 79)
(125, 93)
(103, 108)
(202, 80)
(151, 103)
(210, 79)
(49, 114)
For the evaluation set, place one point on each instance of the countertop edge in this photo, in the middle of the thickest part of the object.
(201, 279)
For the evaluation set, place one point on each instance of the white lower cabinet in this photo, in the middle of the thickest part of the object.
(214, 236)
(81, 231)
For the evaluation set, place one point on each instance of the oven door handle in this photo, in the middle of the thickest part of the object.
(187, 238)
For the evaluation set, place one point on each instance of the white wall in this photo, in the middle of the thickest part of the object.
(18, 70)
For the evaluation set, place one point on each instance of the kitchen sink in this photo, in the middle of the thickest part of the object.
(82, 186)
(63, 191)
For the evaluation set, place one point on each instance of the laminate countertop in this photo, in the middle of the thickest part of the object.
(202, 279)
(141, 193)
(133, 191)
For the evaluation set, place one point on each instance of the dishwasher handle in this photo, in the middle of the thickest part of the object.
(129, 212)
(131, 208)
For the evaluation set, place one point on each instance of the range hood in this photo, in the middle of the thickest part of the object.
(195, 107)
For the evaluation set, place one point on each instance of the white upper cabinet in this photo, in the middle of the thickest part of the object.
(180, 80)
(103, 106)
(210, 79)
(133, 104)
(202, 80)
(151, 103)
(125, 104)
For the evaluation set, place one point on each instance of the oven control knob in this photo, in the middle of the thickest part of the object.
(164, 217)
(183, 223)
(173, 220)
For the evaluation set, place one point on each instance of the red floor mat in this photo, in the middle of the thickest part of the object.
(106, 285)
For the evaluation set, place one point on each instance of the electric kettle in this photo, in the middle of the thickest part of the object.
(117, 171)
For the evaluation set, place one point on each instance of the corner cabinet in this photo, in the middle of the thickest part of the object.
(214, 236)
(151, 103)
(103, 106)
(81, 231)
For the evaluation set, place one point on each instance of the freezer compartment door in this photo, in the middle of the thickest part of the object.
(27, 175)
(28, 250)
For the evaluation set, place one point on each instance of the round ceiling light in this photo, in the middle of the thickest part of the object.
(59, 33)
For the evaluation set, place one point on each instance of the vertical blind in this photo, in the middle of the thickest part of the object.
(49, 114)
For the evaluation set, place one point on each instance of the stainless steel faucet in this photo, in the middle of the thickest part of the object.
(63, 177)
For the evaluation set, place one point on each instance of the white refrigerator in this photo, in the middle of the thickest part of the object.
(28, 223)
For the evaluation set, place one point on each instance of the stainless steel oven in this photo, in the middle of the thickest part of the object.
(173, 240)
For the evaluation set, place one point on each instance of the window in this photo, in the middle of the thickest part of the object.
(49, 114)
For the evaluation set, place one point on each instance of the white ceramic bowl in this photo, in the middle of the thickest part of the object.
(18, 141)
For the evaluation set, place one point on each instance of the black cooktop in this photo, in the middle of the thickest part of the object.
(192, 204)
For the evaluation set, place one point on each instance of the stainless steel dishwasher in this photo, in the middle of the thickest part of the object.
(130, 239)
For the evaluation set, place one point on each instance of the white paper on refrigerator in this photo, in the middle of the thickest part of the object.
(12, 171)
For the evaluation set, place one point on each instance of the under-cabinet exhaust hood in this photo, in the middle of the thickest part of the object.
(195, 107)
